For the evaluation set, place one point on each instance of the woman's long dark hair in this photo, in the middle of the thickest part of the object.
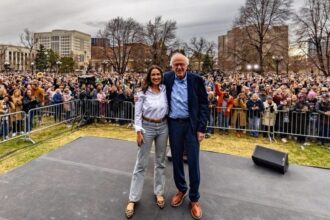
(147, 80)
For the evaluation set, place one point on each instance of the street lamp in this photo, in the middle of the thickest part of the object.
(104, 63)
(277, 59)
(256, 67)
(58, 64)
(249, 67)
(32, 67)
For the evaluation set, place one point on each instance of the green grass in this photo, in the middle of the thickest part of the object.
(18, 152)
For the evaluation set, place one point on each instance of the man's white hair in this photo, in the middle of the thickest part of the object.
(176, 54)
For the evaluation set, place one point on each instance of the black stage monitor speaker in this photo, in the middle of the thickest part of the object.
(86, 79)
(270, 158)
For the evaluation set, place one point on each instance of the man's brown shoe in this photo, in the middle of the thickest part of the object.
(177, 199)
(196, 210)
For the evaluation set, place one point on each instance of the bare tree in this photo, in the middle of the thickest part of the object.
(29, 41)
(122, 35)
(198, 48)
(313, 29)
(161, 37)
(256, 18)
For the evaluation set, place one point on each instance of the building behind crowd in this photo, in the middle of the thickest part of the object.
(67, 43)
(17, 58)
(100, 42)
(235, 51)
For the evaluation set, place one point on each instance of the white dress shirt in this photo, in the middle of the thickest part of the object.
(150, 105)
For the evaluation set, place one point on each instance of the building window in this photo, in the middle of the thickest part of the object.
(55, 38)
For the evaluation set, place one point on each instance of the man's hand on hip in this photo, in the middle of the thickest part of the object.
(200, 136)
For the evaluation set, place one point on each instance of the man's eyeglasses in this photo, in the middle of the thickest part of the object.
(180, 64)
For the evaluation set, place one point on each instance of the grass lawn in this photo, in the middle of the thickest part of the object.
(18, 152)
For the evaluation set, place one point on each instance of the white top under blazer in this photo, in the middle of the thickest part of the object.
(150, 105)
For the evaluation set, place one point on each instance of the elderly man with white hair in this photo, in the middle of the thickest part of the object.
(187, 120)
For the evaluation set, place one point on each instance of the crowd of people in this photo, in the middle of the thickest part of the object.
(23, 92)
(291, 104)
(295, 106)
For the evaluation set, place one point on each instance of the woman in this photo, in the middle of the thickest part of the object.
(67, 105)
(18, 117)
(29, 102)
(239, 115)
(6, 107)
(269, 117)
(151, 109)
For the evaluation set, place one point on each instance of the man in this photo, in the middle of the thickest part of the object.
(188, 113)
(255, 108)
(38, 92)
(224, 106)
(323, 108)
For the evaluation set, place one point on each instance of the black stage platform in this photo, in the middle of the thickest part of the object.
(90, 177)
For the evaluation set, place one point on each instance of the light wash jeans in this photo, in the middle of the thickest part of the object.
(158, 133)
(223, 121)
(254, 126)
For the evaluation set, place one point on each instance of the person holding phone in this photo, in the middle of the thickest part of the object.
(151, 110)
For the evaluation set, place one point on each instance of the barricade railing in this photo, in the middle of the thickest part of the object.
(270, 122)
(120, 112)
(278, 123)
(52, 115)
(12, 125)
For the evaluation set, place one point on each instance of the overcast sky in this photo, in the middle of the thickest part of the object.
(207, 18)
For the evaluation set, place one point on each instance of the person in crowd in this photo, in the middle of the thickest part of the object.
(3, 92)
(239, 119)
(116, 104)
(17, 122)
(212, 111)
(187, 121)
(278, 96)
(255, 108)
(323, 109)
(38, 92)
(6, 106)
(101, 98)
(312, 121)
(29, 103)
(284, 119)
(58, 100)
(224, 106)
(66, 103)
(151, 126)
(269, 117)
(302, 115)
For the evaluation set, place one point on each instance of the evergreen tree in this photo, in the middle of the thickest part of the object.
(67, 65)
(41, 58)
(52, 59)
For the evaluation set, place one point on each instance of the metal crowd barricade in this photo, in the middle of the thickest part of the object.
(51, 115)
(309, 124)
(12, 125)
(284, 123)
(109, 110)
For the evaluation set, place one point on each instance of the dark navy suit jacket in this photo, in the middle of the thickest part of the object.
(197, 99)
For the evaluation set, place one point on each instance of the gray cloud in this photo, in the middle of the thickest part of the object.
(208, 18)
